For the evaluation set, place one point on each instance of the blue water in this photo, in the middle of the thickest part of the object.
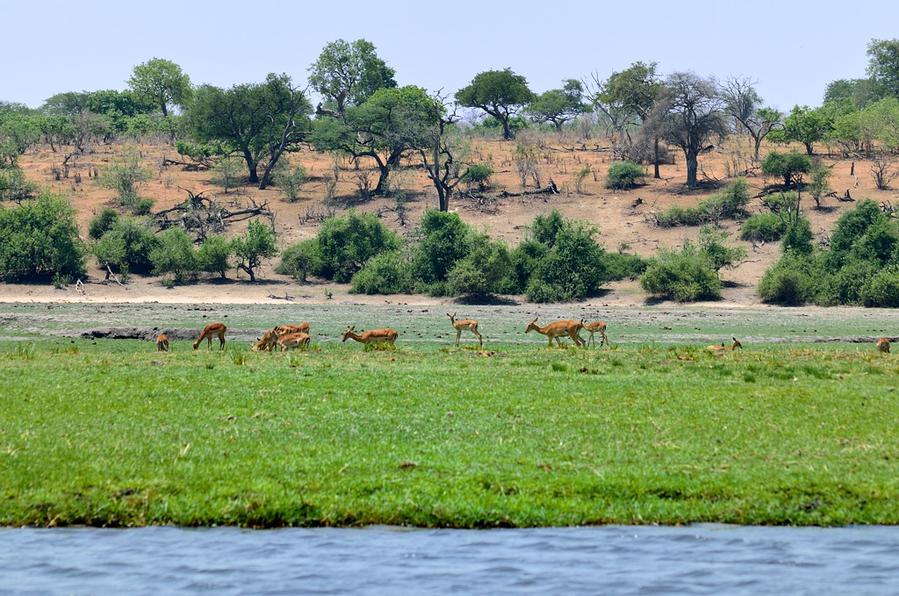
(705, 559)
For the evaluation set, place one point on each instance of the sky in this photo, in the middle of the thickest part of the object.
(792, 49)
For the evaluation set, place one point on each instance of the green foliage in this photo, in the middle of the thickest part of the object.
(124, 175)
(559, 105)
(790, 282)
(572, 268)
(102, 223)
(40, 239)
(174, 254)
(444, 241)
(161, 82)
(684, 276)
(786, 165)
(883, 65)
(482, 271)
(347, 74)
(624, 174)
(850, 227)
(301, 260)
(763, 227)
(385, 273)
(499, 93)
(882, 290)
(730, 202)
(619, 266)
(713, 248)
(227, 173)
(478, 175)
(346, 243)
(14, 186)
(214, 255)
(798, 237)
(126, 246)
(290, 180)
(250, 249)
(858, 92)
(807, 126)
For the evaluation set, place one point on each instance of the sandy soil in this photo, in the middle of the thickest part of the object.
(622, 226)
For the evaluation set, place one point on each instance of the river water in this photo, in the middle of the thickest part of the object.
(704, 559)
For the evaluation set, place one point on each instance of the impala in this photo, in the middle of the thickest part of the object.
(162, 343)
(557, 329)
(266, 342)
(465, 324)
(719, 350)
(372, 336)
(210, 330)
(883, 344)
(293, 340)
(596, 327)
(282, 330)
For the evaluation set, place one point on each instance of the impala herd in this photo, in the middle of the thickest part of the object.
(285, 337)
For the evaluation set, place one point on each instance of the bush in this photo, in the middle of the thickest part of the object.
(385, 273)
(713, 248)
(878, 244)
(728, 203)
(623, 266)
(478, 175)
(571, 269)
(254, 246)
(346, 243)
(126, 246)
(883, 289)
(40, 239)
(525, 258)
(684, 276)
(798, 237)
(228, 172)
(301, 260)
(444, 241)
(482, 271)
(845, 286)
(14, 186)
(680, 216)
(174, 254)
(290, 181)
(214, 255)
(623, 175)
(786, 165)
(125, 175)
(790, 282)
(102, 223)
(763, 227)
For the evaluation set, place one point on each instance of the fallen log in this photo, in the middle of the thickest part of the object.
(549, 189)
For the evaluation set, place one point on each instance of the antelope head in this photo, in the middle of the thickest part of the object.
(346, 334)
(737, 344)
(532, 326)
(452, 317)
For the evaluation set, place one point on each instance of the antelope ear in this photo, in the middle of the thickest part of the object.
(535, 319)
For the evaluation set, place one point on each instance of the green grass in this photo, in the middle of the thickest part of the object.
(111, 433)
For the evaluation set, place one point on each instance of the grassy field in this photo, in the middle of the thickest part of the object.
(108, 432)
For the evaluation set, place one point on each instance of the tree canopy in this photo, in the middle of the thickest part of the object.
(559, 105)
(162, 82)
(499, 93)
(347, 74)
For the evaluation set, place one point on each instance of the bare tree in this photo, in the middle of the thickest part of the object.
(882, 170)
(442, 156)
(743, 104)
(693, 115)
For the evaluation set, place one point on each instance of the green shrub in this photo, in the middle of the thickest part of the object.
(845, 285)
(763, 227)
(444, 241)
(385, 273)
(571, 269)
(478, 175)
(214, 255)
(346, 243)
(40, 239)
(882, 290)
(798, 237)
(228, 172)
(713, 248)
(728, 203)
(680, 216)
(301, 260)
(790, 282)
(125, 175)
(174, 254)
(525, 258)
(250, 249)
(878, 244)
(684, 276)
(290, 181)
(102, 223)
(623, 266)
(786, 165)
(14, 186)
(482, 271)
(126, 246)
(623, 175)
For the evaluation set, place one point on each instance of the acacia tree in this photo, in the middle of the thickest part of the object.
(347, 74)
(807, 126)
(250, 249)
(883, 65)
(499, 93)
(693, 114)
(559, 105)
(442, 155)
(382, 128)
(161, 82)
(743, 104)
(260, 121)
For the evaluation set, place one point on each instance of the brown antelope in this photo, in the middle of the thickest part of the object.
(557, 329)
(282, 330)
(210, 330)
(463, 324)
(266, 342)
(596, 327)
(720, 350)
(162, 343)
(883, 344)
(372, 336)
(293, 340)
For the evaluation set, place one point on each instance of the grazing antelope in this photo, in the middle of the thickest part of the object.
(372, 336)
(162, 343)
(463, 324)
(596, 327)
(210, 330)
(883, 344)
(293, 340)
(282, 330)
(720, 350)
(266, 342)
(557, 329)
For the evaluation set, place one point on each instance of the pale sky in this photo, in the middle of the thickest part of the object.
(791, 48)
